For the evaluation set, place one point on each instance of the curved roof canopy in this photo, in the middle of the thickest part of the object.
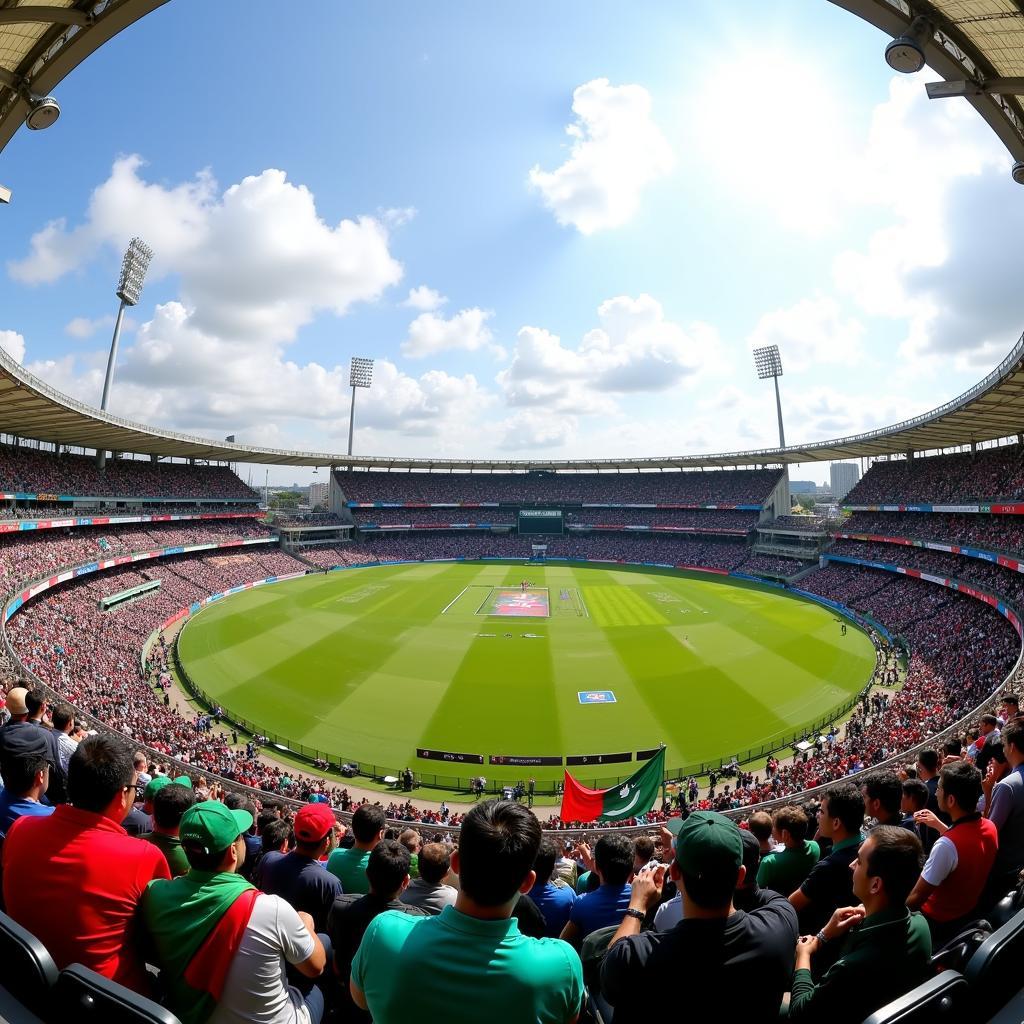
(41, 42)
(977, 47)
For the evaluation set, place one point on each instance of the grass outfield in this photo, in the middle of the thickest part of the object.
(369, 664)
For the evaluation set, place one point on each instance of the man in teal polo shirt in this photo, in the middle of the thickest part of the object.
(348, 864)
(471, 962)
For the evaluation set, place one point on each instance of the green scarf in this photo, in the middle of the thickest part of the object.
(179, 914)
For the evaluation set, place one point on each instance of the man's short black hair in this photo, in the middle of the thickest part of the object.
(613, 857)
(886, 788)
(238, 802)
(170, 803)
(896, 856)
(204, 861)
(990, 720)
(1013, 734)
(544, 864)
(1011, 699)
(929, 761)
(61, 716)
(99, 769)
(19, 771)
(497, 848)
(962, 781)
(953, 746)
(643, 849)
(387, 867)
(917, 791)
(434, 862)
(367, 823)
(274, 832)
(845, 803)
(35, 698)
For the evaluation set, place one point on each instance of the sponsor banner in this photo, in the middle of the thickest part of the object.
(526, 761)
(578, 759)
(1013, 508)
(759, 579)
(449, 755)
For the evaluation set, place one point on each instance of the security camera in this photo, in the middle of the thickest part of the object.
(42, 112)
(905, 53)
(1018, 172)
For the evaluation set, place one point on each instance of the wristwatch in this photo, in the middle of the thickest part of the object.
(638, 914)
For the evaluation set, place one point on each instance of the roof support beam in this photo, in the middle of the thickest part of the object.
(990, 87)
(49, 15)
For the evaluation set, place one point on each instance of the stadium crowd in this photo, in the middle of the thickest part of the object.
(27, 510)
(992, 473)
(988, 532)
(737, 486)
(31, 471)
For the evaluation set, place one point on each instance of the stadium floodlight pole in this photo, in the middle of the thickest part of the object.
(129, 289)
(768, 363)
(360, 375)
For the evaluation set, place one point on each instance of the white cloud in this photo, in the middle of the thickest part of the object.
(616, 151)
(811, 332)
(534, 429)
(425, 299)
(82, 327)
(13, 344)
(466, 331)
(634, 350)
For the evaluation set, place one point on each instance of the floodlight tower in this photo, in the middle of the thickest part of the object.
(768, 363)
(360, 375)
(129, 289)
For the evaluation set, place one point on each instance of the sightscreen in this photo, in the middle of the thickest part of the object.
(540, 520)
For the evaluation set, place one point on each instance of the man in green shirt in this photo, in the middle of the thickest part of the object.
(471, 962)
(886, 949)
(169, 800)
(349, 864)
(784, 870)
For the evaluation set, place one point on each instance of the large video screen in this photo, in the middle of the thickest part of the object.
(540, 520)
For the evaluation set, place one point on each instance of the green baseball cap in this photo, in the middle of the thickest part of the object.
(708, 843)
(156, 784)
(211, 826)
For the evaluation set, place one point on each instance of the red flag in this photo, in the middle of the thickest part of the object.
(580, 803)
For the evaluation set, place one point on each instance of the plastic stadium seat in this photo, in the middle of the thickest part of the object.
(939, 999)
(88, 998)
(955, 954)
(29, 973)
(1011, 904)
(994, 970)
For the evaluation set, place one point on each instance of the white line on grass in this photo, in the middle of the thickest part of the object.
(457, 596)
(579, 594)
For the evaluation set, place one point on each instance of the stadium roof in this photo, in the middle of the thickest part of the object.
(993, 408)
(979, 43)
(41, 42)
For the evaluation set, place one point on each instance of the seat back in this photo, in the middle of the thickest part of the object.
(994, 970)
(86, 997)
(29, 971)
(955, 954)
(934, 1001)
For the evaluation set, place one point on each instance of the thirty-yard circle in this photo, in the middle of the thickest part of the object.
(489, 659)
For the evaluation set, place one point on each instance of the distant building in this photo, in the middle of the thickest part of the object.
(318, 494)
(802, 487)
(844, 476)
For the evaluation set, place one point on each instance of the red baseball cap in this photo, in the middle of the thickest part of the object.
(313, 822)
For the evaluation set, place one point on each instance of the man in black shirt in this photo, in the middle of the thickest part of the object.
(727, 950)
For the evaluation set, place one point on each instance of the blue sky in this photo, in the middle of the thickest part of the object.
(745, 174)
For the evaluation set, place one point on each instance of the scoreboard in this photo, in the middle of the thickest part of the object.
(540, 521)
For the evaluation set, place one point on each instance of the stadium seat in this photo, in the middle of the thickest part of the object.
(994, 970)
(1012, 903)
(29, 973)
(954, 955)
(88, 998)
(942, 998)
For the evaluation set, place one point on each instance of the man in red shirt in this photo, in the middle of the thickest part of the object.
(75, 878)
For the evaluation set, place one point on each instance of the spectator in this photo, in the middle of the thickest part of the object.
(883, 793)
(1009, 707)
(955, 873)
(643, 853)
(1006, 812)
(565, 867)
(554, 899)
(299, 877)
(471, 956)
(350, 865)
(429, 892)
(613, 862)
(761, 826)
(275, 841)
(784, 870)
(220, 943)
(914, 798)
(388, 873)
(170, 801)
(74, 879)
(26, 774)
(989, 739)
(830, 884)
(412, 841)
(886, 949)
(928, 772)
(723, 950)
(64, 727)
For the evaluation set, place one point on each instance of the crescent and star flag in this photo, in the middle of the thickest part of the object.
(636, 795)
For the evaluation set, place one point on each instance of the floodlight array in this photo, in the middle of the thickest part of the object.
(768, 362)
(133, 271)
(360, 374)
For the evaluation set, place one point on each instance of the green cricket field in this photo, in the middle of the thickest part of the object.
(520, 661)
